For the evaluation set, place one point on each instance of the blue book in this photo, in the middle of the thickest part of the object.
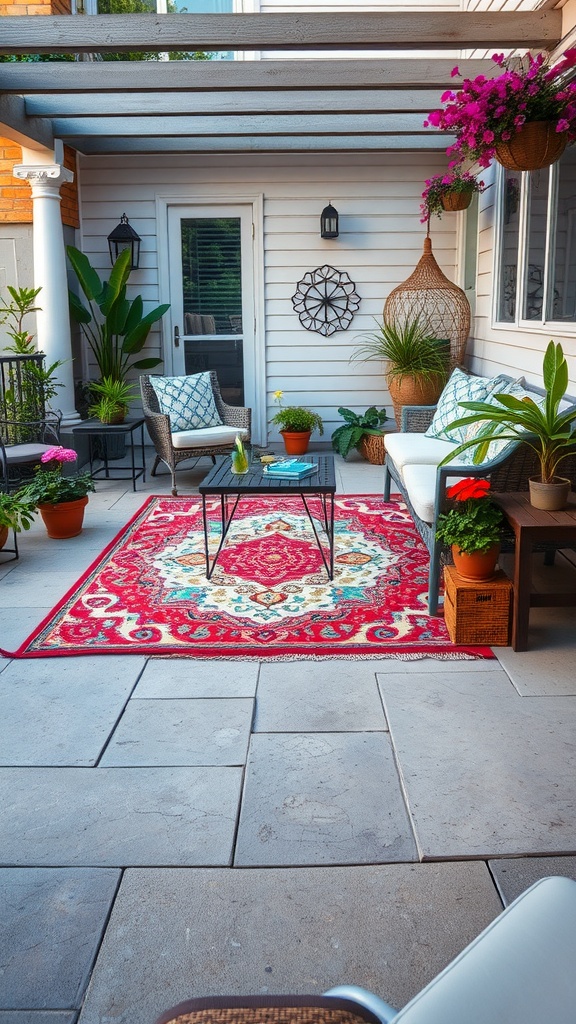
(290, 469)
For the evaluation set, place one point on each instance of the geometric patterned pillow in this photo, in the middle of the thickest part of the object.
(496, 447)
(461, 387)
(188, 401)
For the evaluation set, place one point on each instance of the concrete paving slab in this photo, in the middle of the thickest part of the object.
(318, 696)
(18, 623)
(397, 666)
(176, 934)
(62, 713)
(195, 677)
(51, 925)
(20, 591)
(332, 798)
(485, 775)
(182, 732)
(112, 817)
(546, 669)
(513, 876)
(38, 1016)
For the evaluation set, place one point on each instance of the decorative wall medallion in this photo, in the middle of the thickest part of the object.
(326, 300)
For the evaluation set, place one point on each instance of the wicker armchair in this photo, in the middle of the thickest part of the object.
(158, 424)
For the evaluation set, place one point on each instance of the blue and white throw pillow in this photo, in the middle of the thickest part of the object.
(472, 431)
(462, 387)
(188, 401)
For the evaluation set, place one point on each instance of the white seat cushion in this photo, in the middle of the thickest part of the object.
(206, 437)
(420, 482)
(416, 449)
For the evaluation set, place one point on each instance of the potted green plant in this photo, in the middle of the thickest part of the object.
(114, 327)
(296, 425)
(356, 429)
(111, 399)
(417, 363)
(61, 500)
(448, 192)
(472, 528)
(541, 425)
(28, 385)
(524, 116)
(15, 514)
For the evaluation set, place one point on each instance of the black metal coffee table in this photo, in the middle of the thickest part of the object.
(232, 487)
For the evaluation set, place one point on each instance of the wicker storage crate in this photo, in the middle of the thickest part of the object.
(478, 613)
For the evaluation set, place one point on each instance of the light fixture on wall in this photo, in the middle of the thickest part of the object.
(329, 222)
(124, 237)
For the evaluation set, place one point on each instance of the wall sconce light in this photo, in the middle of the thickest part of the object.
(124, 237)
(329, 222)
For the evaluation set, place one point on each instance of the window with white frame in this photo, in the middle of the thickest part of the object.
(536, 251)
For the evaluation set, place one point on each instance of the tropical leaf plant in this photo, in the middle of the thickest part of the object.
(549, 432)
(114, 326)
(357, 425)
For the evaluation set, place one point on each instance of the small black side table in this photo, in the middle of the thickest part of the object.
(94, 428)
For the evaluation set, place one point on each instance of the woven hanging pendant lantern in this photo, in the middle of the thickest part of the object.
(440, 305)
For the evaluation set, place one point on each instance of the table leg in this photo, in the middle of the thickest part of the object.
(227, 517)
(132, 460)
(143, 453)
(522, 591)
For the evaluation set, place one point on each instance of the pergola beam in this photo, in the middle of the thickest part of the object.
(104, 145)
(306, 31)
(232, 76)
(31, 132)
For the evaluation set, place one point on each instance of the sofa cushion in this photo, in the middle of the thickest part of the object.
(407, 449)
(462, 387)
(207, 437)
(420, 482)
(188, 401)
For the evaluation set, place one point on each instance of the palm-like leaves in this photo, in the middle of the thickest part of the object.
(113, 325)
(552, 434)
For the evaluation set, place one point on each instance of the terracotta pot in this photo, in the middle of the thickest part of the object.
(535, 145)
(408, 390)
(550, 497)
(454, 201)
(296, 442)
(65, 519)
(3, 536)
(475, 565)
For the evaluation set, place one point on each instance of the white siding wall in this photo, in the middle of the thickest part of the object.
(377, 197)
(506, 348)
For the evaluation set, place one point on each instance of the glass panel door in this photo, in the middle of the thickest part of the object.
(211, 295)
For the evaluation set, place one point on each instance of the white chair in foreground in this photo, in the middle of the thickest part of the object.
(520, 970)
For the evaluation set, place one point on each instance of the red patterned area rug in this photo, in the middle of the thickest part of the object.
(269, 596)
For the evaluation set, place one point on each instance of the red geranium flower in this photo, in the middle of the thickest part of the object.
(471, 487)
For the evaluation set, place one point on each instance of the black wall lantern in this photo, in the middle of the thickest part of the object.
(329, 222)
(124, 237)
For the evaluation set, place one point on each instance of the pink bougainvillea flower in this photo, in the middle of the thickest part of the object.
(59, 454)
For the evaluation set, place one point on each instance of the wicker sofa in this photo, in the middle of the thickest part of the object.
(173, 447)
(412, 463)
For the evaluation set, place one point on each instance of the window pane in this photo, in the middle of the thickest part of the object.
(211, 270)
(563, 300)
(535, 265)
(200, 6)
(509, 259)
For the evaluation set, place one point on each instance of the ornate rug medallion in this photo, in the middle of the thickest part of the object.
(269, 595)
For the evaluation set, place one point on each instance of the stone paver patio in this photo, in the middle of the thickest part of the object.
(172, 828)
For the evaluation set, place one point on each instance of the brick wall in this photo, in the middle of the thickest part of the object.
(15, 199)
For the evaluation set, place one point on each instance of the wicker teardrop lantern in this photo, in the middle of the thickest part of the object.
(440, 305)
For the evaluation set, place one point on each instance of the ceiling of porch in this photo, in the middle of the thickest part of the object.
(390, 71)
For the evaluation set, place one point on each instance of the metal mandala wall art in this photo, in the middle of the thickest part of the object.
(326, 300)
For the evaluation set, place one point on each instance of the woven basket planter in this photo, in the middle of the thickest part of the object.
(373, 449)
(535, 145)
(409, 390)
(454, 201)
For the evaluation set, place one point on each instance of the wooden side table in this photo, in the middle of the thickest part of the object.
(533, 526)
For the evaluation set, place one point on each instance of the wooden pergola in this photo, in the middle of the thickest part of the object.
(250, 106)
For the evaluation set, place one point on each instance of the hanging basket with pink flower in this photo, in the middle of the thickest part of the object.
(524, 117)
(449, 193)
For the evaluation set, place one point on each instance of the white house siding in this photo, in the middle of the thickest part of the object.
(507, 348)
(381, 238)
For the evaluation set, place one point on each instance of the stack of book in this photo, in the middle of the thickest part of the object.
(290, 469)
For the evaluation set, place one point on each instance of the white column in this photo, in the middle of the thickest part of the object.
(52, 319)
